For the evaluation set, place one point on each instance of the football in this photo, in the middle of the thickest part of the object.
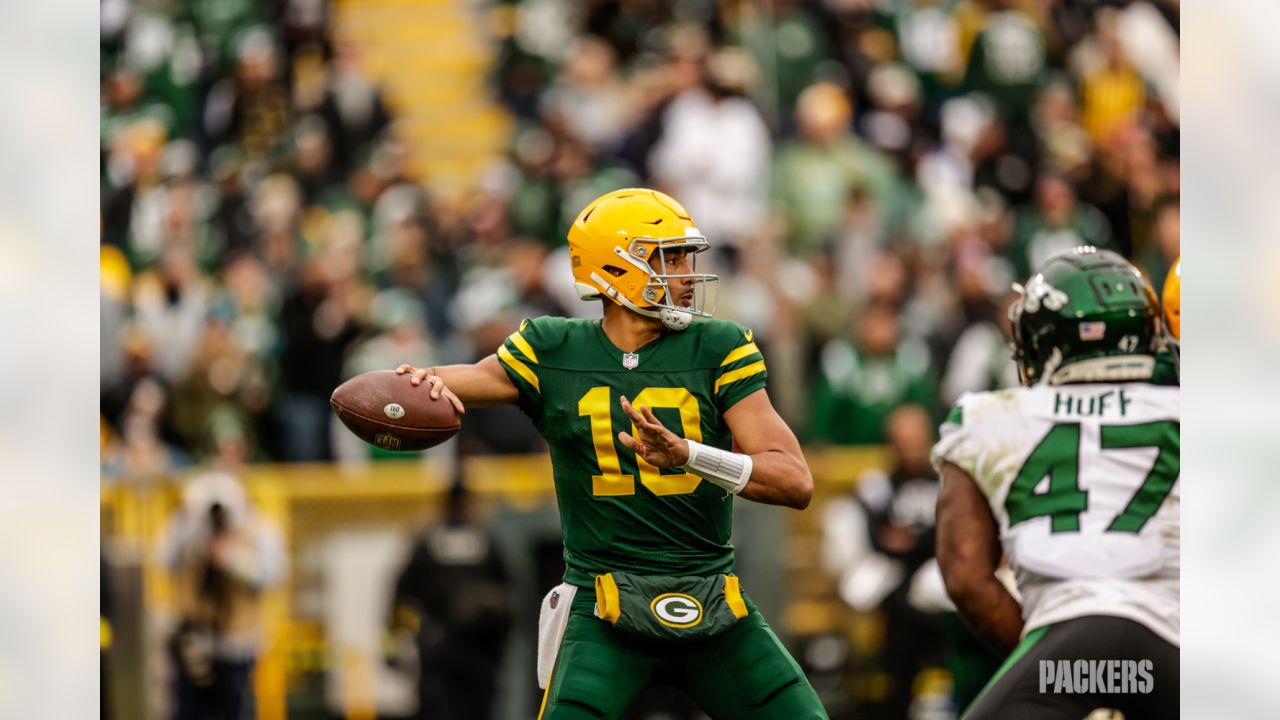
(385, 410)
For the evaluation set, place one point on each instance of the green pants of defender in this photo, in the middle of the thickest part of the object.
(744, 672)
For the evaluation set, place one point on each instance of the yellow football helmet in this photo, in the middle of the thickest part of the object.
(612, 241)
(1172, 299)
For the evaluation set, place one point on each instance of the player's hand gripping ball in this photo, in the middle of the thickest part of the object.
(386, 410)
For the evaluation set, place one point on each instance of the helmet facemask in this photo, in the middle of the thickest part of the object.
(657, 292)
(705, 287)
(1018, 343)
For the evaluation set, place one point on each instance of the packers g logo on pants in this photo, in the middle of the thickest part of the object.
(676, 610)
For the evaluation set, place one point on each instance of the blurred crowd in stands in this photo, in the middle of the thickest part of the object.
(873, 175)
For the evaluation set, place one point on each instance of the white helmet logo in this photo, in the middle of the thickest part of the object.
(1040, 292)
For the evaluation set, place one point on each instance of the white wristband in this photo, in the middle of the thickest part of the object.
(729, 470)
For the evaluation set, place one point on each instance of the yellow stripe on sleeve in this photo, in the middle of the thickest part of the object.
(521, 369)
(739, 353)
(754, 368)
(523, 346)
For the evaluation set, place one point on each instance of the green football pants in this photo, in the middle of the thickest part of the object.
(744, 672)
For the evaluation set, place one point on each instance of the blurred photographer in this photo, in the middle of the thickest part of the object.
(451, 598)
(222, 557)
(880, 544)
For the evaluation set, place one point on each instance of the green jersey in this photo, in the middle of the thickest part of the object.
(618, 512)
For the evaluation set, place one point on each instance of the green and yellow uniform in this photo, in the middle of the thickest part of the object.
(621, 514)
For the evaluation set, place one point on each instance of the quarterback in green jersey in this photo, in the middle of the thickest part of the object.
(656, 416)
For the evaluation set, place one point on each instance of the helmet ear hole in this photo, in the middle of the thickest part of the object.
(614, 270)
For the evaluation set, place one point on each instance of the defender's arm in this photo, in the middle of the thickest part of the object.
(968, 554)
(480, 385)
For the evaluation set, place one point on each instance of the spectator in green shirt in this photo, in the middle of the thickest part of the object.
(815, 174)
(1056, 223)
(1008, 60)
(861, 383)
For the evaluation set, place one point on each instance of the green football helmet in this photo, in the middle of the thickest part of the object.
(1088, 315)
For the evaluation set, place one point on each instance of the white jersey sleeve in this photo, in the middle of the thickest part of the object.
(1083, 482)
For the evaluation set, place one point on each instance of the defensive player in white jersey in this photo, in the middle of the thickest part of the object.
(1074, 480)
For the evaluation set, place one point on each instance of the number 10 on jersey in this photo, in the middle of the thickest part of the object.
(611, 482)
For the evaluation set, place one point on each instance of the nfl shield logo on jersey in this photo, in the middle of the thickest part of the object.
(555, 600)
(630, 360)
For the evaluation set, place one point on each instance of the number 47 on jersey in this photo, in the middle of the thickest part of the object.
(1058, 457)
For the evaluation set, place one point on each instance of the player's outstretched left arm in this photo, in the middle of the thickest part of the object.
(968, 555)
(769, 469)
